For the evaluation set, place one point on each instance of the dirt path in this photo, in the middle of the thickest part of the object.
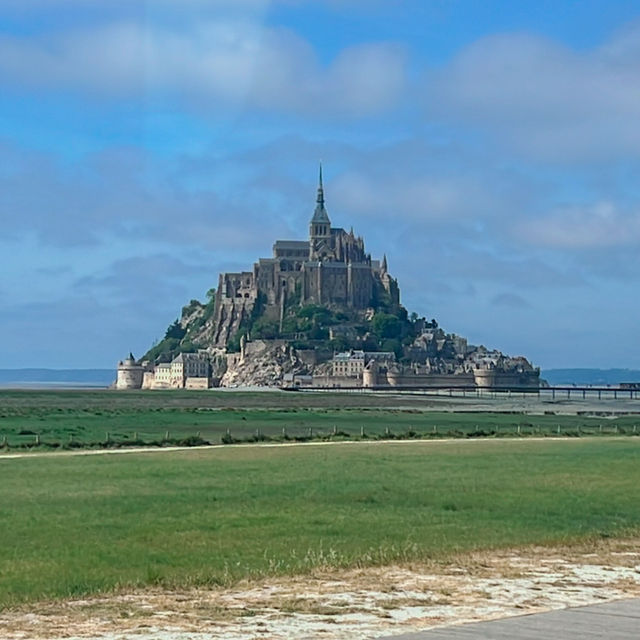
(354, 605)
(98, 452)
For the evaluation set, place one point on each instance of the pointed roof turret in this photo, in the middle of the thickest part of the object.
(384, 263)
(320, 214)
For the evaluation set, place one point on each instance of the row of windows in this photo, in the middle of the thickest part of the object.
(349, 369)
(291, 253)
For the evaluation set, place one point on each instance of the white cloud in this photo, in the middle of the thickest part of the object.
(599, 225)
(25, 6)
(215, 5)
(121, 195)
(139, 279)
(510, 300)
(224, 62)
(426, 197)
(544, 98)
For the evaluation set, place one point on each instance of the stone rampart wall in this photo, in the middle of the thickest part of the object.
(337, 382)
(429, 380)
(507, 379)
(197, 383)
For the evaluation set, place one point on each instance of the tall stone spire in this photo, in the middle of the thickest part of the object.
(320, 215)
(320, 199)
(384, 263)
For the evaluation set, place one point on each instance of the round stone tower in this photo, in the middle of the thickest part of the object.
(370, 374)
(130, 374)
(485, 376)
(393, 375)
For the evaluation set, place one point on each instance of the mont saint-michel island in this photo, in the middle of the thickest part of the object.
(319, 313)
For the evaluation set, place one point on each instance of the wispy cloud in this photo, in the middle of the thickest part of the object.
(216, 63)
(543, 97)
(426, 198)
(139, 280)
(511, 300)
(598, 225)
(121, 194)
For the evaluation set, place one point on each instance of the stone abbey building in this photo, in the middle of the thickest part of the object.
(331, 267)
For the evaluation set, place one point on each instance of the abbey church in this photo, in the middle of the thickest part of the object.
(330, 268)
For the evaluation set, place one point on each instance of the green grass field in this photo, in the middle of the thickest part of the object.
(70, 419)
(76, 525)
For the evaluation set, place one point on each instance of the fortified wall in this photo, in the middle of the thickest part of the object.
(185, 371)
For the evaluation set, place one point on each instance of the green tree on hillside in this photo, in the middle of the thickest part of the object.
(175, 330)
(385, 325)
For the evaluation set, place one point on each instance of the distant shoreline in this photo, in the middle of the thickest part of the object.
(43, 378)
(22, 385)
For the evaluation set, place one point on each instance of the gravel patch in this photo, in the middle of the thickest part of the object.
(355, 605)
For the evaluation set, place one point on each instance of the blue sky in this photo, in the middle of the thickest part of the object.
(491, 149)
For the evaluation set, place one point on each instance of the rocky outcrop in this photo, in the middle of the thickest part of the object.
(262, 363)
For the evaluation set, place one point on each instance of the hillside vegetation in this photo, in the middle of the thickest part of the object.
(385, 327)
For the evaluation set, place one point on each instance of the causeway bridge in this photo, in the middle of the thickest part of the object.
(570, 392)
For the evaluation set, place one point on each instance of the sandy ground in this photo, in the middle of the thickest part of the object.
(354, 605)
(530, 403)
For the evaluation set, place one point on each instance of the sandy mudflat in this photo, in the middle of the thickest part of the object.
(352, 605)
(562, 404)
